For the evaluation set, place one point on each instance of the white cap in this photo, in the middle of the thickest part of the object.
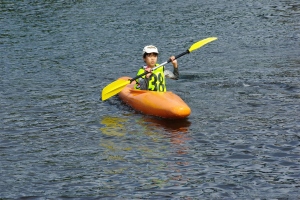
(150, 49)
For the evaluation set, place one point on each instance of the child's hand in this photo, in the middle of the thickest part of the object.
(150, 72)
(174, 61)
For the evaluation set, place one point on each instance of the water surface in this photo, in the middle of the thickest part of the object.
(59, 140)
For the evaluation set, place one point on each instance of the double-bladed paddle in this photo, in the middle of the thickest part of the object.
(118, 85)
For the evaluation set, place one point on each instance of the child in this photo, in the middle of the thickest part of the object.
(155, 80)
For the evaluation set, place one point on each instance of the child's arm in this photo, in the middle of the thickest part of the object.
(175, 74)
(142, 83)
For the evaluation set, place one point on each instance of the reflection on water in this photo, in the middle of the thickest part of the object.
(170, 125)
(145, 145)
(176, 130)
(153, 127)
(114, 126)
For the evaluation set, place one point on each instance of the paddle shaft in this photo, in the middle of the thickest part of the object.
(162, 64)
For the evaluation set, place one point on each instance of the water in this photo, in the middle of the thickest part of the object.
(58, 140)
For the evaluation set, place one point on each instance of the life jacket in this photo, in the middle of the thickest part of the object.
(156, 81)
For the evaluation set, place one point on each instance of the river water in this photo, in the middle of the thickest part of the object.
(59, 140)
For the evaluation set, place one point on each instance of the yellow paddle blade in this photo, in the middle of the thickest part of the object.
(114, 88)
(200, 43)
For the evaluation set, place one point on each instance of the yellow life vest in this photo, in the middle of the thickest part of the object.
(156, 81)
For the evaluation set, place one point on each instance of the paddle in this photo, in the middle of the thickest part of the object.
(118, 85)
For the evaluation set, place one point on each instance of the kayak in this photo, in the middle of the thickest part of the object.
(160, 104)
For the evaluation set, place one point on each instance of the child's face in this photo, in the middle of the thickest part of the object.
(151, 59)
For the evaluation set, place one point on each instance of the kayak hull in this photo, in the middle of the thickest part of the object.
(161, 104)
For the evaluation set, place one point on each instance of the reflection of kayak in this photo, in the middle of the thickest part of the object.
(161, 104)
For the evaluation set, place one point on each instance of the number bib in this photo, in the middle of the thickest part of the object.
(157, 80)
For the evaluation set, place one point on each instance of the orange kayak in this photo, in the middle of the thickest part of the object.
(161, 104)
